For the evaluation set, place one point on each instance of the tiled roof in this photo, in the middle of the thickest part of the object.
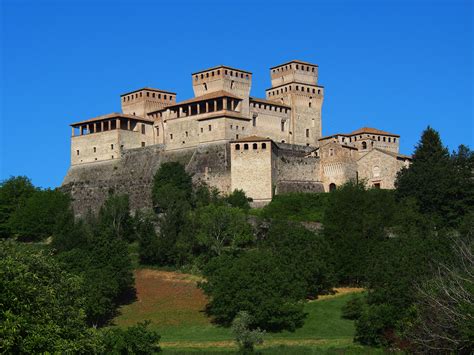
(220, 66)
(269, 102)
(211, 95)
(372, 131)
(149, 89)
(295, 61)
(113, 115)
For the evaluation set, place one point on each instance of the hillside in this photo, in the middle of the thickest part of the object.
(175, 306)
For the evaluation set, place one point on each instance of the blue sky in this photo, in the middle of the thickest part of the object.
(395, 65)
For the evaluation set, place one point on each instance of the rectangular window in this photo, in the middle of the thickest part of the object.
(95, 149)
(282, 126)
(77, 152)
(210, 128)
(157, 131)
(254, 121)
(171, 136)
(112, 146)
(143, 144)
(202, 130)
(143, 128)
(307, 133)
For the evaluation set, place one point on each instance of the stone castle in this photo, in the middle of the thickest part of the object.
(227, 139)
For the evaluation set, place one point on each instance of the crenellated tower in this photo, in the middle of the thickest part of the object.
(143, 101)
(296, 84)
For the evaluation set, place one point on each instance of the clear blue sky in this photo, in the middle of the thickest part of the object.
(394, 65)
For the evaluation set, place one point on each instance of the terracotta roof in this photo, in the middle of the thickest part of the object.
(294, 83)
(149, 89)
(269, 102)
(393, 154)
(372, 131)
(221, 66)
(251, 139)
(212, 95)
(295, 61)
(112, 115)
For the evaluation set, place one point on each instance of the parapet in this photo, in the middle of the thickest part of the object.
(295, 71)
(235, 81)
(143, 101)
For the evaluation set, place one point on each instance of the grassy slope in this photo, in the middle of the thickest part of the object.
(175, 306)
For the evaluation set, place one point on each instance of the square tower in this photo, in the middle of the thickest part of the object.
(143, 101)
(296, 84)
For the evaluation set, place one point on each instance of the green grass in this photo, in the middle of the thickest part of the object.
(176, 311)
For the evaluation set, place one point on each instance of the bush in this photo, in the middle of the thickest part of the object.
(297, 207)
(238, 199)
(246, 337)
(353, 308)
(137, 339)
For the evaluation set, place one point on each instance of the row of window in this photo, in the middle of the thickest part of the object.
(148, 94)
(270, 107)
(187, 133)
(383, 139)
(297, 88)
(237, 127)
(254, 146)
(298, 66)
(218, 72)
(111, 148)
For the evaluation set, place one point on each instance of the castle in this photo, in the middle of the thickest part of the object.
(227, 139)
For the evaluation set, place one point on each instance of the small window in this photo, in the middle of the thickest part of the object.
(246, 147)
(236, 136)
(171, 135)
(378, 138)
(157, 131)
(254, 121)
(237, 147)
(210, 128)
(231, 126)
(394, 140)
(264, 145)
(282, 126)
(307, 133)
(389, 139)
(186, 133)
(147, 94)
(384, 139)
(77, 152)
(95, 149)
(143, 144)
(364, 145)
(255, 146)
(143, 128)
(121, 147)
(164, 96)
(202, 130)
(112, 156)
(112, 147)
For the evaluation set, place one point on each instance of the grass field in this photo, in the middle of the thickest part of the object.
(176, 308)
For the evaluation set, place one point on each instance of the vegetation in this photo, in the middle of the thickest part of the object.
(411, 249)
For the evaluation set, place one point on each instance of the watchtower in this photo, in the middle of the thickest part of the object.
(143, 101)
(295, 84)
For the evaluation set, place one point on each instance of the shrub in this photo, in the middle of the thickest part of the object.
(353, 308)
(137, 339)
(246, 337)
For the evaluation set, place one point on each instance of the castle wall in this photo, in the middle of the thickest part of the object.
(268, 121)
(90, 184)
(89, 148)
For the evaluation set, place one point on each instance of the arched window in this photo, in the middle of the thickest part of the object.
(332, 186)
(246, 147)
(264, 145)
(237, 147)
(255, 146)
(364, 145)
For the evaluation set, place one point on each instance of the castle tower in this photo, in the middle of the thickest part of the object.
(143, 101)
(222, 78)
(296, 84)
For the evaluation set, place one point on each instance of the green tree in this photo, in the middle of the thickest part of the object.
(441, 185)
(13, 194)
(303, 253)
(256, 283)
(36, 219)
(42, 305)
(115, 215)
(171, 183)
(219, 227)
(238, 199)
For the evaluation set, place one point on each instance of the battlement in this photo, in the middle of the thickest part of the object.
(143, 101)
(235, 81)
(295, 71)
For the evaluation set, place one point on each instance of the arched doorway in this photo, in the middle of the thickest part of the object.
(332, 187)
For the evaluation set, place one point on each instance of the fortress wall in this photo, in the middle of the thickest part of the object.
(86, 143)
(90, 184)
(268, 122)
